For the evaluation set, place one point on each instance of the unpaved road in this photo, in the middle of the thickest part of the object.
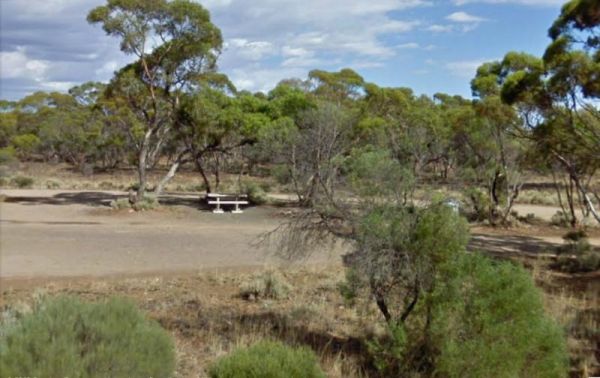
(58, 233)
(45, 234)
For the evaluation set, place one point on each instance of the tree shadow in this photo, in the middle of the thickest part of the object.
(508, 246)
(103, 199)
(96, 199)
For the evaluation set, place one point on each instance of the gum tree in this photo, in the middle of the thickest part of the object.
(174, 43)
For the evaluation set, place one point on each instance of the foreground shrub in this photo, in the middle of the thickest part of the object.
(66, 337)
(499, 326)
(490, 319)
(268, 359)
(22, 182)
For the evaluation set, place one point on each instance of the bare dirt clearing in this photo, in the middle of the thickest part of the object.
(60, 234)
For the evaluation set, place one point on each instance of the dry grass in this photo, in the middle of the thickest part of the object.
(574, 302)
(63, 176)
(209, 318)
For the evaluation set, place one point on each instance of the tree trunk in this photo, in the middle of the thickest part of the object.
(142, 159)
(205, 178)
(170, 174)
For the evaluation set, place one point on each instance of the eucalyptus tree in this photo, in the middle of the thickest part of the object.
(174, 43)
(492, 146)
(560, 92)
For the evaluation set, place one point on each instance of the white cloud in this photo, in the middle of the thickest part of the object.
(465, 68)
(17, 65)
(543, 3)
(410, 45)
(436, 28)
(298, 35)
(251, 50)
(463, 17)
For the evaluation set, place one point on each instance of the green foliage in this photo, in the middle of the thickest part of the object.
(282, 174)
(25, 144)
(480, 204)
(577, 255)
(374, 174)
(22, 182)
(488, 317)
(67, 337)
(148, 202)
(256, 194)
(497, 324)
(7, 155)
(268, 359)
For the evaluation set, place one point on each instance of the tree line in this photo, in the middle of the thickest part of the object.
(171, 107)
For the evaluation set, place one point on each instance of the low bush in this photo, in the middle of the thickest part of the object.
(8, 155)
(256, 195)
(67, 337)
(269, 285)
(120, 204)
(282, 174)
(147, 203)
(576, 255)
(51, 184)
(22, 182)
(561, 219)
(268, 359)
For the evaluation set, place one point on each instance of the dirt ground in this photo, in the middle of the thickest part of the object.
(61, 233)
(50, 234)
(184, 265)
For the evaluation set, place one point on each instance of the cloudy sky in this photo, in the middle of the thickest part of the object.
(428, 45)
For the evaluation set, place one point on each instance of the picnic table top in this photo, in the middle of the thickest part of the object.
(219, 195)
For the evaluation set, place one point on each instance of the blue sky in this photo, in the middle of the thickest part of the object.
(428, 45)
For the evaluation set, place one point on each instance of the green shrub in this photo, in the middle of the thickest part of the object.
(267, 285)
(7, 155)
(255, 193)
(561, 219)
(147, 203)
(51, 184)
(22, 182)
(488, 318)
(576, 255)
(67, 337)
(267, 359)
(282, 174)
(480, 203)
(498, 326)
(120, 204)
(26, 144)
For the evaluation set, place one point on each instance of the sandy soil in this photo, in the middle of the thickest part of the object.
(49, 234)
(61, 233)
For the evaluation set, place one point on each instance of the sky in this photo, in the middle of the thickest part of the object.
(430, 46)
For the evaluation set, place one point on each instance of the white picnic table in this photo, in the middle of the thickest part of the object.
(227, 199)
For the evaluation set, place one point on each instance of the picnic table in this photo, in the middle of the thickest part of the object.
(227, 199)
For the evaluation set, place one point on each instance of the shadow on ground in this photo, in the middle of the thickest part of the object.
(508, 246)
(102, 199)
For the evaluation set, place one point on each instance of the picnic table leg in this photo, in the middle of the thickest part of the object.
(237, 207)
(218, 210)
